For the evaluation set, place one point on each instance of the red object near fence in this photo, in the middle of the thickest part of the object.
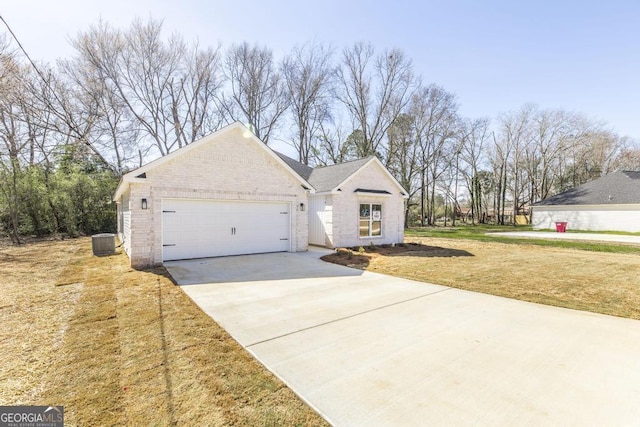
(561, 227)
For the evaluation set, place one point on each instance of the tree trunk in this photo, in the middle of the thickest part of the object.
(422, 196)
(432, 204)
(480, 207)
(406, 215)
(445, 212)
(503, 199)
(455, 197)
(472, 202)
(13, 202)
(497, 198)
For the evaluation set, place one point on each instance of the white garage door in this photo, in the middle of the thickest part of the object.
(208, 228)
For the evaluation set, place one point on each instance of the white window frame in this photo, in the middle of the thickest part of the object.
(370, 220)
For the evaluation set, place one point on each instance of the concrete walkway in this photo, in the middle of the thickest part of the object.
(593, 237)
(367, 349)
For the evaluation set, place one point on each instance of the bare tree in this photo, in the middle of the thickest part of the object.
(601, 148)
(307, 74)
(436, 116)
(143, 75)
(628, 156)
(513, 133)
(374, 90)
(333, 146)
(404, 157)
(194, 93)
(27, 139)
(538, 153)
(552, 133)
(449, 183)
(169, 88)
(14, 134)
(7, 64)
(473, 137)
(114, 131)
(256, 89)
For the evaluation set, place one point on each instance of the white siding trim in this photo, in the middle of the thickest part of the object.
(588, 218)
(320, 220)
(124, 222)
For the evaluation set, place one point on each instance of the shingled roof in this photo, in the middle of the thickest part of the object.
(300, 168)
(617, 188)
(325, 178)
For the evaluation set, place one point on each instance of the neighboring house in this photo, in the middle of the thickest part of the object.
(610, 203)
(230, 194)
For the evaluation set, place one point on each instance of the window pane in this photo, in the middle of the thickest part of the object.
(377, 212)
(376, 228)
(364, 228)
(364, 211)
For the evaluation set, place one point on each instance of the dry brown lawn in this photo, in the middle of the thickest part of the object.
(607, 283)
(117, 346)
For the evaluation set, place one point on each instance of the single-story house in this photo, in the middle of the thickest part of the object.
(609, 203)
(230, 194)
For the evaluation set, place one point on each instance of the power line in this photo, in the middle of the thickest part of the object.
(27, 56)
(67, 117)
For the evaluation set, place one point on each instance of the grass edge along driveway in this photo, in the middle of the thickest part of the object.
(118, 346)
(564, 274)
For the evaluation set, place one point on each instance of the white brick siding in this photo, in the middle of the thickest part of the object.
(231, 167)
(346, 209)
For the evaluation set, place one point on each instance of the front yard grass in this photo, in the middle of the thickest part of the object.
(566, 276)
(118, 346)
(479, 233)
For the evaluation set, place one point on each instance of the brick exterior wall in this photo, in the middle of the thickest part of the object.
(229, 167)
(346, 209)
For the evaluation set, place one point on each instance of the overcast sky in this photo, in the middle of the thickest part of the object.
(494, 55)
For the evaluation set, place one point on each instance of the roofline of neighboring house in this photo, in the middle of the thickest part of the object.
(619, 206)
(403, 192)
(617, 183)
(132, 177)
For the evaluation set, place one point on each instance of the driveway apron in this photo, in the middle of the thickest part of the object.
(368, 349)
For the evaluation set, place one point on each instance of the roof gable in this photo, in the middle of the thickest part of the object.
(322, 179)
(617, 188)
(139, 175)
(331, 178)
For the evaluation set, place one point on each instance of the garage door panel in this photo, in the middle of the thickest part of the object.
(208, 228)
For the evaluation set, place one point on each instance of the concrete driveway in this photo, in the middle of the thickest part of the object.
(367, 349)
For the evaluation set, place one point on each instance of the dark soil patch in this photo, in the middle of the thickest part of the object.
(360, 257)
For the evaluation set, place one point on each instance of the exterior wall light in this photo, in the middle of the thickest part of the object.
(301, 207)
(144, 204)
